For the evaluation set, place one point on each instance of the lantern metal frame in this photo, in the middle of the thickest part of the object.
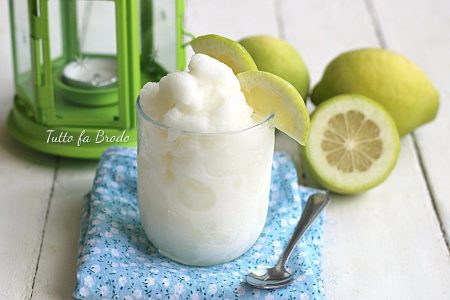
(44, 109)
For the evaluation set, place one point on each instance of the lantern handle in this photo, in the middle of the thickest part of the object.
(190, 35)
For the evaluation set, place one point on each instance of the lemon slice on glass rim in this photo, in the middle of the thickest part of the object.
(225, 50)
(269, 94)
(265, 92)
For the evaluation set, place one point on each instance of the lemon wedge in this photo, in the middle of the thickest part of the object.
(225, 50)
(269, 94)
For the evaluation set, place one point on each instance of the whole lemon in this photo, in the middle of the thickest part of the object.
(278, 57)
(386, 77)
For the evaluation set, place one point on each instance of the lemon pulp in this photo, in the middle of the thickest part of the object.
(352, 142)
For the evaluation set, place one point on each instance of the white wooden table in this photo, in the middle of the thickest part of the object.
(391, 242)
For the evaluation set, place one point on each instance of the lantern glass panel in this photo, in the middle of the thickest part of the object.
(92, 63)
(96, 22)
(22, 50)
(55, 24)
(158, 37)
(84, 58)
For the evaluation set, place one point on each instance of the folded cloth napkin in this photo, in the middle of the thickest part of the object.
(116, 260)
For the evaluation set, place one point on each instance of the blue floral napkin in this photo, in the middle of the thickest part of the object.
(116, 261)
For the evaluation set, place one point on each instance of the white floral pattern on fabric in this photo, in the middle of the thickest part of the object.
(116, 261)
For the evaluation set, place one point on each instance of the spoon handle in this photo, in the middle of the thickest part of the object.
(315, 204)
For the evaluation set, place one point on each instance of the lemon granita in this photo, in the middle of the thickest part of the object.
(204, 164)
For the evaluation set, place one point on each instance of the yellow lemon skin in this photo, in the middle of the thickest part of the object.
(280, 58)
(269, 94)
(389, 78)
(225, 50)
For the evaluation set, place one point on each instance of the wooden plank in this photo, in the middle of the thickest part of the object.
(25, 183)
(298, 26)
(427, 43)
(55, 278)
(233, 18)
(321, 30)
(380, 243)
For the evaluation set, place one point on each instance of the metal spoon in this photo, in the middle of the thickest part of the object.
(278, 276)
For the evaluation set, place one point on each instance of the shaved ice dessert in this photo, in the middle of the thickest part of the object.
(204, 164)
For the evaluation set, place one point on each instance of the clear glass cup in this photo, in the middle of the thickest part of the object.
(203, 197)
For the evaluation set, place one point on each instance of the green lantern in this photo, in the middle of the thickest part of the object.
(79, 66)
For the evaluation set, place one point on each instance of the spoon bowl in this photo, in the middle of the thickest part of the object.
(270, 278)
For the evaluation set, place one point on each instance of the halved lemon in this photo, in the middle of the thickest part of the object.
(225, 50)
(269, 94)
(353, 144)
